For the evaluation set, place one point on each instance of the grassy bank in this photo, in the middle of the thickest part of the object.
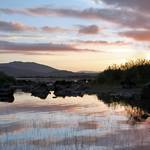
(137, 71)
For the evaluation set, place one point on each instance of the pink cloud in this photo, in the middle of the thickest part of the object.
(15, 27)
(38, 47)
(140, 35)
(123, 17)
(92, 29)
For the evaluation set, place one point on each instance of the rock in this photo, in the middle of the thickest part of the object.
(25, 86)
(146, 92)
(40, 90)
(70, 88)
(50, 86)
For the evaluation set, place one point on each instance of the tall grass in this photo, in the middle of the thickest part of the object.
(137, 71)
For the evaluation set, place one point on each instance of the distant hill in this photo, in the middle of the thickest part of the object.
(90, 72)
(31, 69)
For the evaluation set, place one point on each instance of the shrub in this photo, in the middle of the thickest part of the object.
(138, 71)
(5, 79)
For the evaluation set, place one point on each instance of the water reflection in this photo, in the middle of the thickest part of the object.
(137, 110)
(71, 123)
(9, 99)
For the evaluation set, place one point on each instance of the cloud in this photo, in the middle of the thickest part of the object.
(53, 29)
(92, 29)
(38, 47)
(15, 27)
(133, 13)
(143, 35)
(22, 36)
(135, 5)
(10, 11)
(104, 43)
(123, 17)
(20, 27)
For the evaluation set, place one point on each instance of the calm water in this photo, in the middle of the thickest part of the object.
(73, 123)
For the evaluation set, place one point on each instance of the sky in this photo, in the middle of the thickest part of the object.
(75, 35)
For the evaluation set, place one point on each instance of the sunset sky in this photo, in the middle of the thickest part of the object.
(74, 35)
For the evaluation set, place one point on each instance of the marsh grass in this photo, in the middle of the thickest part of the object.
(137, 71)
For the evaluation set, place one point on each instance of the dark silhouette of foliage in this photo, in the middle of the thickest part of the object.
(4, 79)
(137, 71)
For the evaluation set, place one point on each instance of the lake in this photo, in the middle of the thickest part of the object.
(71, 123)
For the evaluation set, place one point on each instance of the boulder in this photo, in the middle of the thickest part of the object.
(40, 90)
(70, 88)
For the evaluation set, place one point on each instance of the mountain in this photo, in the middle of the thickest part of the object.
(88, 72)
(31, 69)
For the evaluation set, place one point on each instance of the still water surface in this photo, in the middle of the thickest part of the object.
(71, 123)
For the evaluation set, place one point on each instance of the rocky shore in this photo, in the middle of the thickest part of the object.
(71, 88)
(75, 88)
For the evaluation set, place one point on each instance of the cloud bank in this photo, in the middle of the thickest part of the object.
(38, 47)
(126, 17)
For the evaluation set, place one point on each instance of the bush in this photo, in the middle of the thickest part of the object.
(4, 79)
(138, 71)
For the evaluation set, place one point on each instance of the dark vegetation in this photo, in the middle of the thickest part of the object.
(136, 71)
(5, 79)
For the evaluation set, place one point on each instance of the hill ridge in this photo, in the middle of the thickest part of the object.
(31, 69)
